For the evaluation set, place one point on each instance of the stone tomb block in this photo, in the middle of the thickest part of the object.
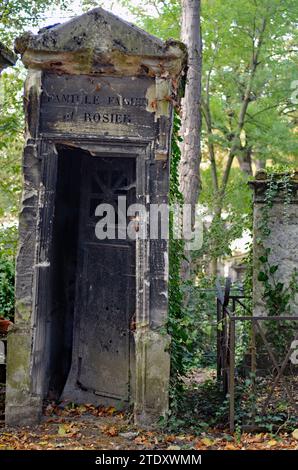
(98, 101)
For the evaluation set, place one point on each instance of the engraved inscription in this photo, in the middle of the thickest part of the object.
(97, 99)
(96, 106)
(113, 118)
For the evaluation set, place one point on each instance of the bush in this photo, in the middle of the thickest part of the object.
(8, 237)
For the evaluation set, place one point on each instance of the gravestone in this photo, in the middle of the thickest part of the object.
(90, 312)
(282, 238)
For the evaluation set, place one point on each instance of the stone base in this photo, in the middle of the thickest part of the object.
(25, 414)
(21, 407)
(152, 377)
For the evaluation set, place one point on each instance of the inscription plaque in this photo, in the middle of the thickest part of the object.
(101, 106)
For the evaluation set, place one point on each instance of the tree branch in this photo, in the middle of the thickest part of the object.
(207, 116)
(246, 99)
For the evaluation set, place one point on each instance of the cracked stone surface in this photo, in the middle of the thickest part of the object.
(99, 42)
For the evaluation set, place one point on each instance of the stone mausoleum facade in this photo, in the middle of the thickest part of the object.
(90, 313)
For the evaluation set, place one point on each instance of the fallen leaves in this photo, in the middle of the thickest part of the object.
(230, 446)
(69, 430)
(85, 426)
(110, 430)
(207, 442)
(272, 443)
(261, 441)
(70, 409)
(61, 430)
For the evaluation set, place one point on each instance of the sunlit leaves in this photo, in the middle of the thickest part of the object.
(19, 15)
(11, 139)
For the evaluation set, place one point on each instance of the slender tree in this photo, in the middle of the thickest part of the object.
(189, 168)
(246, 107)
(248, 116)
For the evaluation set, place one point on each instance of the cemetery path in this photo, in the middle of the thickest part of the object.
(88, 428)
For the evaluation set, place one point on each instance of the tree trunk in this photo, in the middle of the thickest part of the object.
(189, 177)
(260, 164)
(245, 162)
(213, 267)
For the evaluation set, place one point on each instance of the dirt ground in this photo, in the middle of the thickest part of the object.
(88, 428)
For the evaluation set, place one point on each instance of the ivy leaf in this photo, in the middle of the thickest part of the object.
(279, 286)
(262, 277)
(273, 269)
(62, 430)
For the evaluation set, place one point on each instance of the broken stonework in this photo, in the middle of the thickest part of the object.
(89, 317)
(7, 58)
(282, 239)
(101, 43)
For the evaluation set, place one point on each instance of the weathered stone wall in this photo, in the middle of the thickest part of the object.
(21, 405)
(282, 239)
(87, 57)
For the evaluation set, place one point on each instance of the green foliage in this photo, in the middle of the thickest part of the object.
(8, 241)
(203, 407)
(249, 395)
(231, 33)
(228, 46)
(175, 326)
(159, 17)
(6, 287)
(189, 322)
(202, 329)
(232, 37)
(236, 205)
(18, 15)
(11, 140)
(7, 270)
(200, 408)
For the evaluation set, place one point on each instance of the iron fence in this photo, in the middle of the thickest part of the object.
(277, 370)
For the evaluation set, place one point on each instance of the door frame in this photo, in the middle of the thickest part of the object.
(41, 315)
(81, 295)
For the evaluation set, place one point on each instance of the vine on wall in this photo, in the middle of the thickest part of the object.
(278, 296)
(175, 325)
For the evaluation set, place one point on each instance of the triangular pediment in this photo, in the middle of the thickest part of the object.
(101, 43)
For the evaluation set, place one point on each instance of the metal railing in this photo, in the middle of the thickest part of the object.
(226, 344)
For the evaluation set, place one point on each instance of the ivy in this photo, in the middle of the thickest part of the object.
(175, 325)
(278, 297)
(8, 238)
(193, 339)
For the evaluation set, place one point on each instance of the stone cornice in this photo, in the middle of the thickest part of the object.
(100, 43)
(261, 182)
(7, 58)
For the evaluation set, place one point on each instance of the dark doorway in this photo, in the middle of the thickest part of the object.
(64, 265)
(93, 280)
(105, 300)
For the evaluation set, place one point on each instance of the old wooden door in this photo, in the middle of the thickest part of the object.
(105, 299)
